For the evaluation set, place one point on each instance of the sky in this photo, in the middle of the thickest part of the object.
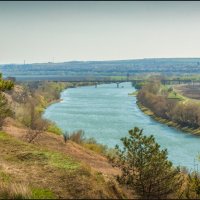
(57, 31)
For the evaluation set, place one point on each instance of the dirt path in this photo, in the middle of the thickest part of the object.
(55, 142)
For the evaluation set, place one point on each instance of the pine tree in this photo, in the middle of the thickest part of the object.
(145, 168)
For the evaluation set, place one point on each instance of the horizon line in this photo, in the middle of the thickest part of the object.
(109, 60)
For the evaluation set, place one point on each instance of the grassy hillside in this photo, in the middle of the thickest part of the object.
(47, 167)
(32, 171)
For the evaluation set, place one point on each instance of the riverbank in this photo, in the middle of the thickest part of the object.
(170, 123)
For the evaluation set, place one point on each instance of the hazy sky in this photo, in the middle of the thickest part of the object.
(65, 31)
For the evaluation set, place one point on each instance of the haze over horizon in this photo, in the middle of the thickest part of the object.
(93, 31)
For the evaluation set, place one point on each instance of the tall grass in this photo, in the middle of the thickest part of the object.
(14, 191)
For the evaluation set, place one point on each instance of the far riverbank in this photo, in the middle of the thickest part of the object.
(74, 85)
(170, 123)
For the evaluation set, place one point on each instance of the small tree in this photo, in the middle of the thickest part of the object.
(170, 89)
(5, 110)
(6, 85)
(145, 168)
(34, 121)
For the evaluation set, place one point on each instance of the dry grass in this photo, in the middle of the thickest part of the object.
(49, 168)
(36, 171)
(14, 191)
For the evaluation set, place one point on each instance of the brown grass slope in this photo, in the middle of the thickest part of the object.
(49, 168)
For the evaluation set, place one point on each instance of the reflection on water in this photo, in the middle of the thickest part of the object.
(107, 113)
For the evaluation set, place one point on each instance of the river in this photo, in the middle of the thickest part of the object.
(106, 113)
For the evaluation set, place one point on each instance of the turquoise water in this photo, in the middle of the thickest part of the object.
(106, 113)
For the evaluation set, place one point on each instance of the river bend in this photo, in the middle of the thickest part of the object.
(106, 113)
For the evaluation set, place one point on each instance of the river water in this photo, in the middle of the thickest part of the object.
(106, 113)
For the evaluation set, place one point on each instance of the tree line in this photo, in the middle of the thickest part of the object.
(155, 97)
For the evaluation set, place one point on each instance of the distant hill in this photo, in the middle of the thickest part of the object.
(102, 68)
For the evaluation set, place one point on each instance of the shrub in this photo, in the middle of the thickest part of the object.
(77, 136)
(33, 120)
(170, 89)
(5, 110)
(6, 85)
(139, 85)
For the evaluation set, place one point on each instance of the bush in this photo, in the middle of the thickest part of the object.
(6, 85)
(5, 110)
(170, 89)
(139, 85)
(32, 119)
(77, 137)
